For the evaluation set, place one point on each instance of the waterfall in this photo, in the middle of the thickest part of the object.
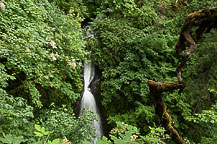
(88, 101)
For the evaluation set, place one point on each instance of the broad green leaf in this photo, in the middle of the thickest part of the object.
(39, 134)
(38, 127)
(44, 131)
(55, 141)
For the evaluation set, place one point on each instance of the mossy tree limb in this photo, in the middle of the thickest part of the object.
(204, 21)
(156, 89)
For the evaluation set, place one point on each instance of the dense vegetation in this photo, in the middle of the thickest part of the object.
(41, 62)
(43, 46)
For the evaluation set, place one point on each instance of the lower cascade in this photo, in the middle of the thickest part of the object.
(88, 101)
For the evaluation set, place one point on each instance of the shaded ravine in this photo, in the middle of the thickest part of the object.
(88, 101)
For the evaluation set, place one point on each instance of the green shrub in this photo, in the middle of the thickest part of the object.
(128, 57)
(41, 48)
(65, 124)
(15, 118)
(124, 133)
(41, 54)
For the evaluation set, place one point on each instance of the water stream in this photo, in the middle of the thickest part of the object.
(88, 101)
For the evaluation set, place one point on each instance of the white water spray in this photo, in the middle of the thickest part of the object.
(88, 101)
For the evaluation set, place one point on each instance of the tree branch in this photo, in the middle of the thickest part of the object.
(205, 20)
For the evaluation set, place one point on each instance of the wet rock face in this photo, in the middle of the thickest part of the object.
(96, 91)
(78, 105)
(95, 84)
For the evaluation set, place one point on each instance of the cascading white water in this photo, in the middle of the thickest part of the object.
(88, 101)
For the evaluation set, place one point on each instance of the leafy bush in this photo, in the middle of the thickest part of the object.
(76, 6)
(41, 48)
(15, 118)
(128, 57)
(65, 124)
(200, 79)
(125, 133)
(44, 134)
(41, 54)
(140, 14)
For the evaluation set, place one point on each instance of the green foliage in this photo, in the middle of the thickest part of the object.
(42, 133)
(75, 6)
(202, 74)
(15, 118)
(125, 133)
(129, 51)
(65, 124)
(9, 139)
(140, 15)
(207, 116)
(41, 54)
(208, 119)
(128, 57)
(200, 78)
(16, 122)
(40, 47)
(44, 136)
(178, 108)
(206, 140)
(196, 5)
